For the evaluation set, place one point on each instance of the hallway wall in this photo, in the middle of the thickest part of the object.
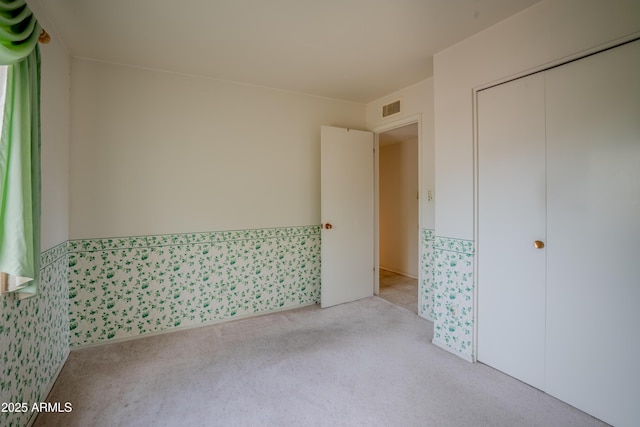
(399, 207)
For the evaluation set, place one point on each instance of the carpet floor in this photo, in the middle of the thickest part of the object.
(366, 363)
(399, 290)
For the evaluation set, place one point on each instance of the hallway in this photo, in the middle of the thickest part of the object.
(399, 290)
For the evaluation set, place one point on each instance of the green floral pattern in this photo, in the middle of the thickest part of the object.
(426, 275)
(34, 337)
(100, 289)
(131, 286)
(453, 294)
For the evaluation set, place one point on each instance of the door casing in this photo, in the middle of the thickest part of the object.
(409, 120)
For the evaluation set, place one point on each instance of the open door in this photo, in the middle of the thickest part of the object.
(347, 198)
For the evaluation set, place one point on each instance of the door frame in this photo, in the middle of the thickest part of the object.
(409, 120)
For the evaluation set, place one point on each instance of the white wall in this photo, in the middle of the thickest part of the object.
(399, 207)
(155, 152)
(55, 122)
(545, 34)
(416, 100)
(542, 34)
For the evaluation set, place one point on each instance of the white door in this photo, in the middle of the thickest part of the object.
(593, 223)
(347, 198)
(511, 271)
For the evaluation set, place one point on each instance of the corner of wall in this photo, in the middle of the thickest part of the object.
(34, 336)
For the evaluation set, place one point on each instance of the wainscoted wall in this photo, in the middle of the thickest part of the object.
(34, 337)
(425, 308)
(453, 295)
(130, 286)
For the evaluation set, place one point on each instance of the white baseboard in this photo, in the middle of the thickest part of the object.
(398, 272)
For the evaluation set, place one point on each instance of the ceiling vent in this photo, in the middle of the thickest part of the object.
(391, 109)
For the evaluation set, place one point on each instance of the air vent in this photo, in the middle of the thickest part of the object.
(390, 109)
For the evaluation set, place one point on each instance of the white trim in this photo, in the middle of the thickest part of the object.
(187, 327)
(376, 213)
(416, 118)
(399, 273)
(559, 62)
(474, 334)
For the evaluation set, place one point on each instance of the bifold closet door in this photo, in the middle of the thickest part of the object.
(593, 224)
(512, 215)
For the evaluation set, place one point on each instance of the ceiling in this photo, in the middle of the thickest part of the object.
(356, 50)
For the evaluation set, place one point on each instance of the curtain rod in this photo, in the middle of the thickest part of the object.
(44, 37)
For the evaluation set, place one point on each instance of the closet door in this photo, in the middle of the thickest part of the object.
(511, 271)
(593, 223)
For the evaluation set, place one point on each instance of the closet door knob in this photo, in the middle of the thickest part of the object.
(328, 226)
(538, 244)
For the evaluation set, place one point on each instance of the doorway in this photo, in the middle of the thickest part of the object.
(398, 218)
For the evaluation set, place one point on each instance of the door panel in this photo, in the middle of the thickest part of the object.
(347, 197)
(593, 138)
(511, 272)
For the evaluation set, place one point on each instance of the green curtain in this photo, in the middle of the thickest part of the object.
(20, 150)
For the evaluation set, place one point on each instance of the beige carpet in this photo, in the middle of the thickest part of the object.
(367, 363)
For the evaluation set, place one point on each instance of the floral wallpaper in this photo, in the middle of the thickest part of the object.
(425, 307)
(100, 289)
(34, 337)
(453, 295)
(136, 285)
